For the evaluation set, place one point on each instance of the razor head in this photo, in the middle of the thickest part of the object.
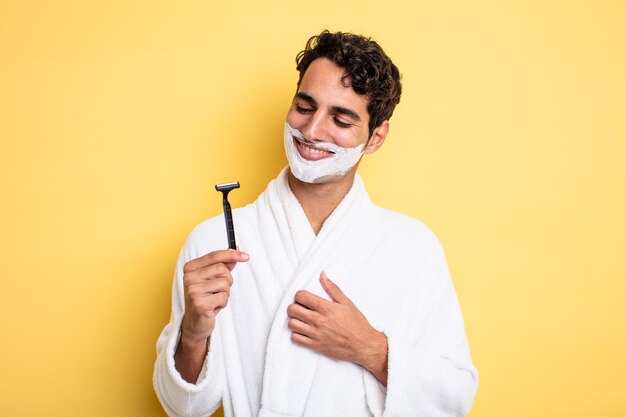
(227, 186)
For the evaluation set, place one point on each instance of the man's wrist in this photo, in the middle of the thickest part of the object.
(189, 356)
(193, 344)
(375, 355)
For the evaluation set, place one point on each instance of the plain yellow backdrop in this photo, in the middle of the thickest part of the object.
(117, 118)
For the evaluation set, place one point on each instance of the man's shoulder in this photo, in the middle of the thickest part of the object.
(213, 229)
(406, 229)
(206, 228)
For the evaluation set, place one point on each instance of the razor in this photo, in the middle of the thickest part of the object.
(228, 215)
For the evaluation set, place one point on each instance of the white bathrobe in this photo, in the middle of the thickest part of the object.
(391, 267)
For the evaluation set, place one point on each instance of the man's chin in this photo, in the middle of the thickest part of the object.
(329, 179)
(326, 179)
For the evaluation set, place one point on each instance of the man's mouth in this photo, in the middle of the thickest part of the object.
(310, 152)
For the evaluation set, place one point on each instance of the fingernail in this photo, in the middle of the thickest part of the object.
(245, 256)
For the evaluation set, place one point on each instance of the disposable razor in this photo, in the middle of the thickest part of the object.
(228, 215)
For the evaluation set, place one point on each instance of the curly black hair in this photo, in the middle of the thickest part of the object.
(368, 70)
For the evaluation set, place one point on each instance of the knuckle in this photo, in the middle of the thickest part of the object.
(219, 299)
(214, 287)
(219, 256)
(212, 255)
(227, 292)
(224, 298)
(221, 269)
(191, 292)
(189, 278)
(224, 283)
(211, 304)
(229, 278)
(196, 304)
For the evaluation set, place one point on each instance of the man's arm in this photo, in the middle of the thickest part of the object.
(180, 355)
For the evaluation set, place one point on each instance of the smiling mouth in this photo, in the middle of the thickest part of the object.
(310, 152)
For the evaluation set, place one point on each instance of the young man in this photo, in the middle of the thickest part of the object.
(337, 307)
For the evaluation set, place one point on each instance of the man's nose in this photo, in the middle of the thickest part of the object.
(316, 128)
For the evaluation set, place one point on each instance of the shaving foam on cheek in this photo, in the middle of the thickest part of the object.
(316, 171)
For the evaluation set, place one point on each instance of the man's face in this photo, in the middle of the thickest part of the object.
(324, 110)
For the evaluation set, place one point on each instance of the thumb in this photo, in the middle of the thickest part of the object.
(333, 290)
(232, 265)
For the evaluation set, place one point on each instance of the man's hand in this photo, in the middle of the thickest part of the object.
(337, 329)
(207, 281)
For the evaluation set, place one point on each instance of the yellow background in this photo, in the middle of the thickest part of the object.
(117, 118)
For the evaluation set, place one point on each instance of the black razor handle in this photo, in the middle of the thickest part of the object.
(230, 229)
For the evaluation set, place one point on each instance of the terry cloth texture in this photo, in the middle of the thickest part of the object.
(393, 269)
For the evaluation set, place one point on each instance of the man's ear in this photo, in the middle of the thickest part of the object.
(378, 137)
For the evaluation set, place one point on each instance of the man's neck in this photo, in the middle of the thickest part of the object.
(319, 200)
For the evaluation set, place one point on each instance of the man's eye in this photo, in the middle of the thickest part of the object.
(303, 110)
(340, 123)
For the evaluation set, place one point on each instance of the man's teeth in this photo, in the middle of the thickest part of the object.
(314, 150)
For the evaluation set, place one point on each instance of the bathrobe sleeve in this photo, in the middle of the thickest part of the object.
(179, 397)
(430, 371)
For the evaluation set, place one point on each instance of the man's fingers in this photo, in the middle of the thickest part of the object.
(228, 256)
(207, 287)
(208, 272)
(217, 301)
(301, 327)
(310, 300)
(232, 265)
(207, 304)
(207, 281)
(303, 340)
(333, 290)
(301, 313)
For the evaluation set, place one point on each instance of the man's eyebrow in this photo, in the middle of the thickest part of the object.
(337, 109)
(306, 97)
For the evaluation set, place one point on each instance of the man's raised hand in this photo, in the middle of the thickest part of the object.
(207, 281)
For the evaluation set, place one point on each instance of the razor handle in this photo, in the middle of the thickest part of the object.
(230, 229)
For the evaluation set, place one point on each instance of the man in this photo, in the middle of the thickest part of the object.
(337, 307)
